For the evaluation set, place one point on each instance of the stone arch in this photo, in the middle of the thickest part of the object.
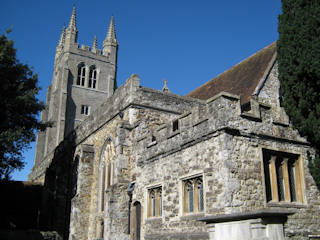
(105, 180)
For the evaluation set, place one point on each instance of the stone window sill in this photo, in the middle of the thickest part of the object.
(315, 237)
(87, 88)
(152, 144)
(173, 134)
(287, 204)
(154, 219)
(192, 216)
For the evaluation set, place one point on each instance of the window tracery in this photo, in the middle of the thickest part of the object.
(193, 195)
(155, 202)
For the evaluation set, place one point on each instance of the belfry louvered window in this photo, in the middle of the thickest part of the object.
(81, 75)
(92, 78)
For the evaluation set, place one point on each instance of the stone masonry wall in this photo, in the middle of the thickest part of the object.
(225, 145)
(215, 139)
(130, 94)
(131, 109)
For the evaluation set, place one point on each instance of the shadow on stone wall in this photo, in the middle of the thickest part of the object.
(71, 106)
(28, 235)
(58, 189)
(20, 205)
(20, 211)
(34, 211)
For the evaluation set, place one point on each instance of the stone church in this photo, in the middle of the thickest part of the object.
(221, 163)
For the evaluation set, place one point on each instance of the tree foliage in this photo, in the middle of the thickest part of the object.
(299, 69)
(18, 109)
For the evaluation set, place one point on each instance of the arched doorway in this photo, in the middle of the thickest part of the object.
(136, 221)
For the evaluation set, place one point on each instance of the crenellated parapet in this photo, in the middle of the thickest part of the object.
(221, 113)
(68, 43)
(126, 100)
(83, 50)
(191, 121)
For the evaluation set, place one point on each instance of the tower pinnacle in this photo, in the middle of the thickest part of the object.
(111, 35)
(94, 44)
(72, 24)
(165, 87)
(62, 36)
(110, 43)
(71, 31)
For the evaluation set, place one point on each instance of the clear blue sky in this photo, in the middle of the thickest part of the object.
(186, 42)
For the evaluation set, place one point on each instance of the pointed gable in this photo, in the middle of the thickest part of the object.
(242, 79)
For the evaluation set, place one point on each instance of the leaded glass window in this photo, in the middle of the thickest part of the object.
(155, 202)
(193, 195)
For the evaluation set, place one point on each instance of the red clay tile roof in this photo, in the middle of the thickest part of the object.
(241, 79)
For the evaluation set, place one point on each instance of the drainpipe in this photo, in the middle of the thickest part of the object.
(129, 191)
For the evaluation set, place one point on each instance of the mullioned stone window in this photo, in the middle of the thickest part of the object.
(81, 75)
(193, 195)
(283, 176)
(85, 110)
(155, 202)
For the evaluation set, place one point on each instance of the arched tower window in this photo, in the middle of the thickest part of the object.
(81, 75)
(92, 77)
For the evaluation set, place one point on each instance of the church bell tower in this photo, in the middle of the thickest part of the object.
(83, 78)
